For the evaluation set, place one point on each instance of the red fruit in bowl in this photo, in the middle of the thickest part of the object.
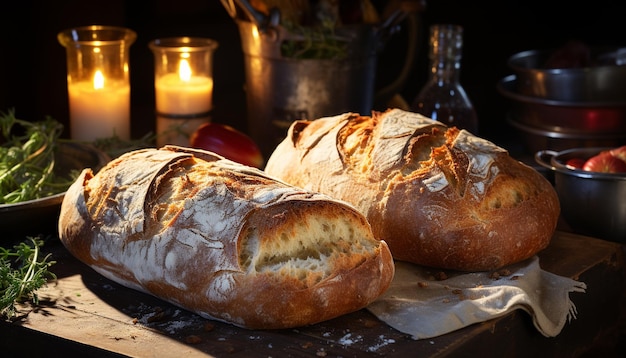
(227, 142)
(575, 163)
(605, 162)
(619, 152)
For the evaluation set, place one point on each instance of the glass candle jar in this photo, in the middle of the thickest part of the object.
(98, 80)
(183, 82)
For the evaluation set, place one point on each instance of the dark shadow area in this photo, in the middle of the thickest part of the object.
(32, 64)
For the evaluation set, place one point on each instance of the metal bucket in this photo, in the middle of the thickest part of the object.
(282, 89)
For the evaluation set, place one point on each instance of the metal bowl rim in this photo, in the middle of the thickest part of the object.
(513, 59)
(507, 84)
(559, 167)
(28, 204)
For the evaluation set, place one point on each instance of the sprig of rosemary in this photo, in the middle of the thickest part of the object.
(27, 159)
(22, 272)
(27, 163)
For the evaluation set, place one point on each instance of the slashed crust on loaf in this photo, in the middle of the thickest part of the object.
(223, 240)
(438, 196)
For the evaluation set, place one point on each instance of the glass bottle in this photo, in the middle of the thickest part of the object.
(443, 98)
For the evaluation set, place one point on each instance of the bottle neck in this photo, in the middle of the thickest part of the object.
(446, 44)
(443, 98)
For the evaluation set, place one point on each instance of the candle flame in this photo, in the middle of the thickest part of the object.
(98, 80)
(184, 71)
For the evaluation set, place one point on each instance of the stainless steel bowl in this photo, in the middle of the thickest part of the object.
(587, 118)
(592, 204)
(604, 81)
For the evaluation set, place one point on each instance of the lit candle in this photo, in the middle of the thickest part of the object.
(99, 108)
(183, 84)
(98, 81)
(183, 93)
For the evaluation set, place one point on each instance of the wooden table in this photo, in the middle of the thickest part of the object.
(84, 313)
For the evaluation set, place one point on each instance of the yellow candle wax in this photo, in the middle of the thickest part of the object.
(99, 112)
(178, 96)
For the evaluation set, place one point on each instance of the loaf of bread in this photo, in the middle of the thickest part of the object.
(438, 196)
(223, 240)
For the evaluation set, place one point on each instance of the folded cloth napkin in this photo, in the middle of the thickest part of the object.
(422, 303)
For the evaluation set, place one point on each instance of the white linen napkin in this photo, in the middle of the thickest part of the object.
(423, 305)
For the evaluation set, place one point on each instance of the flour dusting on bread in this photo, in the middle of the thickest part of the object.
(224, 240)
(438, 196)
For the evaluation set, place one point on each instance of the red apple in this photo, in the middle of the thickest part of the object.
(619, 152)
(227, 142)
(605, 162)
(575, 163)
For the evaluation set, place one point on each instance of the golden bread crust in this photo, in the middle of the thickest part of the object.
(223, 240)
(438, 196)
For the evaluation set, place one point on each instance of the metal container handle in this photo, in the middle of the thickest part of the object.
(262, 21)
(540, 155)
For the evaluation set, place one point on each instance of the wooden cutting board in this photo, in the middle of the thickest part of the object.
(85, 313)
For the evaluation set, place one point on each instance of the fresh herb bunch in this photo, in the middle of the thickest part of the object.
(27, 159)
(319, 42)
(22, 272)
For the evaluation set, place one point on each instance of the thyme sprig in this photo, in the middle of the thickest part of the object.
(27, 159)
(23, 271)
(319, 42)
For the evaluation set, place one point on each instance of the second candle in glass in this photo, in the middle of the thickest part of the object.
(183, 81)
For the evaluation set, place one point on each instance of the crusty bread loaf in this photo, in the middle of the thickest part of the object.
(223, 240)
(438, 196)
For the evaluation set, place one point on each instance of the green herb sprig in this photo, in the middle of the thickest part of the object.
(27, 159)
(319, 42)
(22, 272)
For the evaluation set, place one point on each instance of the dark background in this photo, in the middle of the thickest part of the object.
(32, 62)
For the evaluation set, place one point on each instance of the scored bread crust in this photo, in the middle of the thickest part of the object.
(438, 196)
(223, 240)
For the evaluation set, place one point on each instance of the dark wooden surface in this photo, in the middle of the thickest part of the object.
(84, 313)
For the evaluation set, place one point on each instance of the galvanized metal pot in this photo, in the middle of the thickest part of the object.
(281, 89)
